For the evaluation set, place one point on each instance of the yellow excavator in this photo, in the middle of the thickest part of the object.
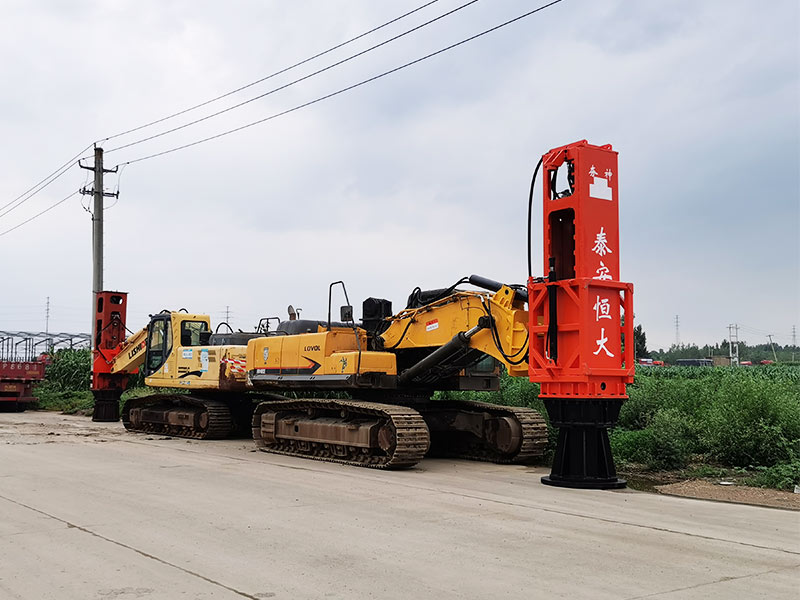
(175, 351)
(390, 365)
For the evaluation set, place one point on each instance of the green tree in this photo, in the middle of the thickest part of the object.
(640, 342)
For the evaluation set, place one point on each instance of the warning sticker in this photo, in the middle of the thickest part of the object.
(187, 353)
(431, 325)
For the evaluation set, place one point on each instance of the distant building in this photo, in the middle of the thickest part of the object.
(694, 362)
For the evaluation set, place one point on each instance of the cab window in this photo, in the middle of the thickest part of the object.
(190, 332)
(159, 344)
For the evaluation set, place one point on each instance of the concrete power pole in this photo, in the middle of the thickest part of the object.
(677, 331)
(97, 226)
(772, 345)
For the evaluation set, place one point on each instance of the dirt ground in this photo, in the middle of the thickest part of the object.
(672, 484)
(710, 490)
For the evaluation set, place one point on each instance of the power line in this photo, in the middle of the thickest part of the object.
(54, 176)
(271, 75)
(48, 209)
(32, 191)
(291, 83)
(764, 332)
(66, 164)
(343, 90)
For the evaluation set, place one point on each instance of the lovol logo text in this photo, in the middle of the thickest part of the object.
(311, 349)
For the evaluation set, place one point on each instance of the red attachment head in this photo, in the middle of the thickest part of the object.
(110, 314)
(576, 317)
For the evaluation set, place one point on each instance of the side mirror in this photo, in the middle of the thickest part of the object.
(346, 313)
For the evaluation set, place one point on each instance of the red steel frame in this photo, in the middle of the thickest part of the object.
(110, 315)
(581, 234)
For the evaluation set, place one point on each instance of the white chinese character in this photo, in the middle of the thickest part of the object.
(608, 173)
(601, 343)
(601, 244)
(592, 172)
(603, 273)
(602, 309)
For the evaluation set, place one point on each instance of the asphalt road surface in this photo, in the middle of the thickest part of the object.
(88, 511)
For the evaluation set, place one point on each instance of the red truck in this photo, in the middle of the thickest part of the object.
(16, 384)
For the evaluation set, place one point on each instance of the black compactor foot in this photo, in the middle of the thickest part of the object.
(106, 406)
(583, 458)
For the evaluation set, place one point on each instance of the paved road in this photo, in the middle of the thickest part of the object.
(90, 512)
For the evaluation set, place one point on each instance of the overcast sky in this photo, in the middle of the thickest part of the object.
(416, 179)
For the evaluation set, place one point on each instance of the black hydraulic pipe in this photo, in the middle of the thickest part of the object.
(552, 302)
(459, 341)
(493, 286)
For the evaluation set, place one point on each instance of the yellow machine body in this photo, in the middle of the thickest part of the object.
(317, 355)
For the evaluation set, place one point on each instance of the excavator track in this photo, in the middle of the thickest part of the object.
(364, 434)
(178, 415)
(469, 430)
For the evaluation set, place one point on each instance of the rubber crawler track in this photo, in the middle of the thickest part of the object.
(219, 426)
(534, 433)
(410, 431)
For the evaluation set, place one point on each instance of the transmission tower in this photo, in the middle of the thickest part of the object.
(733, 344)
(677, 331)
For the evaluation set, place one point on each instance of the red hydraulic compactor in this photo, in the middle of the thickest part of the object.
(581, 315)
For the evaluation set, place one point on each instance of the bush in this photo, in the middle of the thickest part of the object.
(753, 422)
(782, 476)
(663, 445)
(632, 446)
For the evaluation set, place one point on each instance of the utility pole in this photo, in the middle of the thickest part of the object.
(97, 226)
(794, 340)
(228, 314)
(677, 331)
(775, 356)
(733, 344)
(47, 317)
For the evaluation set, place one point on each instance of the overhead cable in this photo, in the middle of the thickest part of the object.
(48, 209)
(38, 187)
(271, 75)
(291, 83)
(342, 90)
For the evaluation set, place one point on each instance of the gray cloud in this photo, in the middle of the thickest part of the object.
(416, 179)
